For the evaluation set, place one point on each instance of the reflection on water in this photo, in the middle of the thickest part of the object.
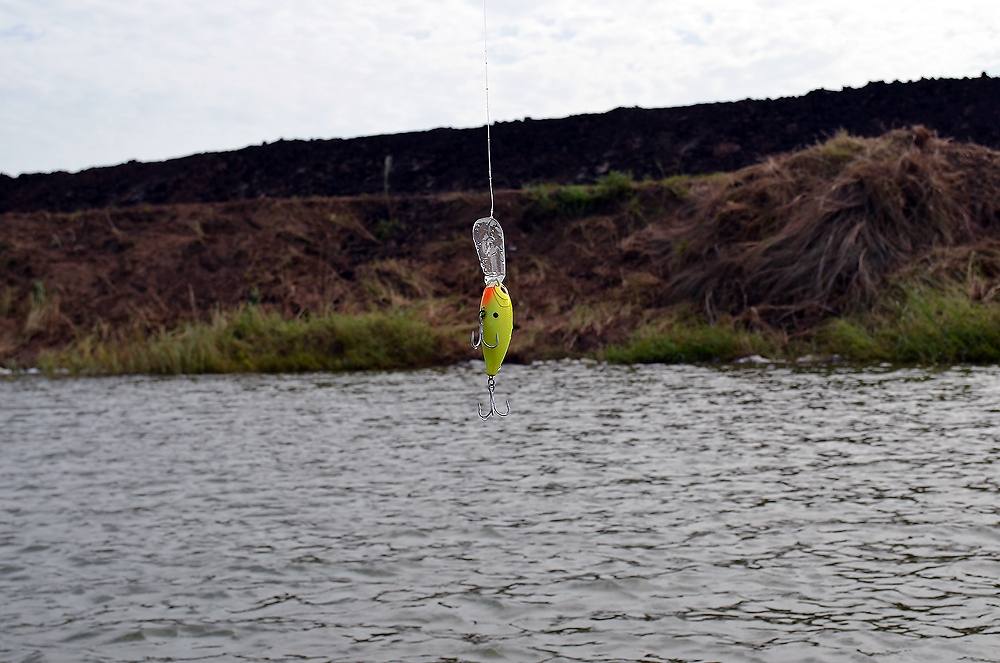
(658, 513)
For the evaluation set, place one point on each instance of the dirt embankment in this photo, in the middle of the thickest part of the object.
(782, 245)
(115, 270)
(645, 142)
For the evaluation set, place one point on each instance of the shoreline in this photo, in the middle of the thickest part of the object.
(871, 249)
(924, 328)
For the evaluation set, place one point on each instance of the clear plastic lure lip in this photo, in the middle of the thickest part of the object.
(488, 238)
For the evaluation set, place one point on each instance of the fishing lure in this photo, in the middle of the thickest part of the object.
(496, 309)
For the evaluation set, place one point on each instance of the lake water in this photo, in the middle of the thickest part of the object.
(654, 513)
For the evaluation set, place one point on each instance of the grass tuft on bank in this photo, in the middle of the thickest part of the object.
(571, 201)
(690, 342)
(251, 340)
(919, 325)
(922, 326)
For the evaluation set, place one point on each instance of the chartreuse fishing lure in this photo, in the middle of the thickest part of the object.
(496, 310)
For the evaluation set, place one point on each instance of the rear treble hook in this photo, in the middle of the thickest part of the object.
(476, 342)
(491, 385)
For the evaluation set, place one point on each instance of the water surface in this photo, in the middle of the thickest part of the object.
(656, 513)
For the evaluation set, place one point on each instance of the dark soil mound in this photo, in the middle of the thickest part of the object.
(645, 142)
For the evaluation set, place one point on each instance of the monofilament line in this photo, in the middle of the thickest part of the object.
(486, 73)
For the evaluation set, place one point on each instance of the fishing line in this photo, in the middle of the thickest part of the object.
(486, 73)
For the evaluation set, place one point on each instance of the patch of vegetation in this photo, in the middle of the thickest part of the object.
(687, 341)
(6, 302)
(393, 282)
(38, 293)
(387, 228)
(841, 148)
(43, 311)
(682, 186)
(577, 200)
(352, 224)
(924, 326)
(252, 340)
(921, 326)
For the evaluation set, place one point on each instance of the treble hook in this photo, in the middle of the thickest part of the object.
(481, 341)
(491, 385)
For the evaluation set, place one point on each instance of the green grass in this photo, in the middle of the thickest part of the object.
(577, 200)
(6, 301)
(916, 326)
(252, 340)
(683, 342)
(387, 228)
(841, 148)
(681, 185)
(922, 326)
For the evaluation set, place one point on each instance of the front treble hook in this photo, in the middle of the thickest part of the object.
(476, 342)
(491, 385)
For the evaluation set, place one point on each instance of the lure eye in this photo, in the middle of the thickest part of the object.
(495, 314)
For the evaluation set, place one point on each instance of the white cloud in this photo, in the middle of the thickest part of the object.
(89, 82)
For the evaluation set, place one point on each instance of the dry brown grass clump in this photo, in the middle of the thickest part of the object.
(821, 231)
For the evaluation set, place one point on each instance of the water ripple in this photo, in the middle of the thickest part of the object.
(633, 514)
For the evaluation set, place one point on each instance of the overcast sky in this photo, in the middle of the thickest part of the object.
(96, 82)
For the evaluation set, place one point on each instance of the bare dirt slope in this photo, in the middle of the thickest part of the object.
(145, 267)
